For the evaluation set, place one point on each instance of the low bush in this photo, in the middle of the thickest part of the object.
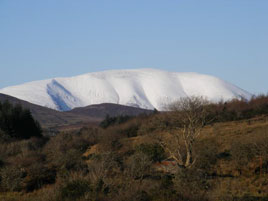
(11, 178)
(130, 129)
(154, 151)
(38, 175)
(111, 121)
(206, 154)
(74, 190)
(139, 166)
(192, 184)
(159, 121)
(142, 196)
(109, 139)
(242, 154)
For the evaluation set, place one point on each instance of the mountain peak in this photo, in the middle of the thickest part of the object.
(146, 88)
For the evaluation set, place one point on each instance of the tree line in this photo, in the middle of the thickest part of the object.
(17, 122)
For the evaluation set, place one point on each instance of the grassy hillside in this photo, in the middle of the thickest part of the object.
(127, 162)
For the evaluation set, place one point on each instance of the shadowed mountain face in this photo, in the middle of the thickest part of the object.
(93, 114)
(60, 96)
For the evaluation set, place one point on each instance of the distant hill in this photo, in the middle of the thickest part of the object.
(92, 114)
(48, 117)
(101, 110)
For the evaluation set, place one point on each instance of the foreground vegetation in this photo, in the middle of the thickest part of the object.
(127, 160)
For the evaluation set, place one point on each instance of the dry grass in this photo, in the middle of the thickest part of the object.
(229, 176)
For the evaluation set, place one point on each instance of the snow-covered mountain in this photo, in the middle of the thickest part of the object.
(144, 88)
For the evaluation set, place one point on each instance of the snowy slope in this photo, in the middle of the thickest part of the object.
(144, 88)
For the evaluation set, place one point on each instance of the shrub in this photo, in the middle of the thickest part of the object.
(139, 166)
(91, 135)
(38, 175)
(242, 154)
(192, 184)
(154, 151)
(110, 139)
(142, 196)
(167, 181)
(130, 129)
(11, 178)
(11, 149)
(74, 190)
(104, 165)
(35, 144)
(64, 152)
(110, 121)
(156, 122)
(207, 154)
(70, 160)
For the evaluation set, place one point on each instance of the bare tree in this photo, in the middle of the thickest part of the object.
(190, 116)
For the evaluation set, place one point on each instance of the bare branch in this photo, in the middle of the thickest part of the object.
(191, 115)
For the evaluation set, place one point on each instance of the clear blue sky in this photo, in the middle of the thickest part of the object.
(42, 39)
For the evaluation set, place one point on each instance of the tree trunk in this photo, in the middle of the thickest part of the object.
(188, 154)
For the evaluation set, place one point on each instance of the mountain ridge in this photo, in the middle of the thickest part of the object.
(142, 88)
